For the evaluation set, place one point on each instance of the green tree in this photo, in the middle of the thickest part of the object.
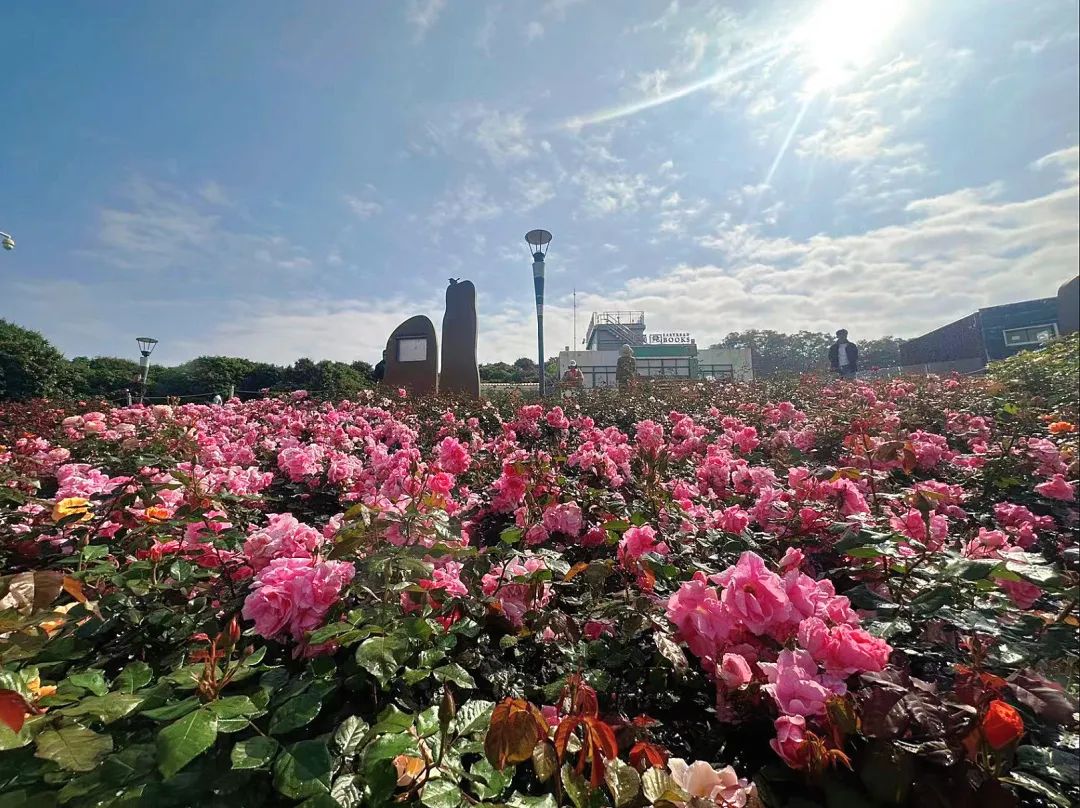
(30, 367)
(777, 353)
(107, 376)
(337, 380)
(883, 352)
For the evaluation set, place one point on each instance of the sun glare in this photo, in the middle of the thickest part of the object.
(842, 36)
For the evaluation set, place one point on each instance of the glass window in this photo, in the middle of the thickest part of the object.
(1031, 335)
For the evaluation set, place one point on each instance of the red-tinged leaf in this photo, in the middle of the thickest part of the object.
(575, 570)
(74, 588)
(909, 460)
(563, 733)
(603, 737)
(13, 709)
(516, 727)
(645, 755)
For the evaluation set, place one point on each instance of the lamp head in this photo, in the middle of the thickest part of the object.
(538, 241)
(146, 345)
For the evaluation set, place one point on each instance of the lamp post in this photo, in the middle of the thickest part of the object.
(538, 241)
(146, 347)
(7, 241)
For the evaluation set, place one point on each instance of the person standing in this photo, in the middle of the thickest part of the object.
(626, 369)
(844, 356)
(573, 377)
(379, 371)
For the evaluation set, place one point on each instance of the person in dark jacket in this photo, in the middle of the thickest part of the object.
(378, 373)
(844, 356)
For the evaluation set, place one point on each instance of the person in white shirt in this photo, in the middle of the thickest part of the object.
(844, 356)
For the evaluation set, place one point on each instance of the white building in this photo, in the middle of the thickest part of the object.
(669, 355)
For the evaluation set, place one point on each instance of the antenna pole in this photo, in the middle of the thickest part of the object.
(575, 318)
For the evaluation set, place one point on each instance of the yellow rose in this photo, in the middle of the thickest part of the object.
(70, 506)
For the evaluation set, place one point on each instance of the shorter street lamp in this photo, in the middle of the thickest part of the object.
(7, 241)
(146, 347)
(538, 241)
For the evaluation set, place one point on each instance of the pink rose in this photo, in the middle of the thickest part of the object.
(734, 671)
(790, 735)
(294, 594)
(753, 595)
(637, 541)
(720, 786)
(1022, 593)
(564, 518)
(1057, 488)
(795, 685)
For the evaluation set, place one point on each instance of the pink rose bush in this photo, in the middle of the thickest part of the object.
(811, 572)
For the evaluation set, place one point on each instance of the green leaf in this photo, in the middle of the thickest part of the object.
(233, 707)
(578, 789)
(382, 657)
(544, 761)
(623, 782)
(1034, 784)
(349, 736)
(347, 791)
(473, 716)
(137, 674)
(1057, 764)
(656, 785)
(303, 770)
(74, 748)
(522, 801)
(441, 793)
(489, 782)
(456, 674)
(173, 711)
(295, 713)
(184, 740)
(107, 708)
(387, 747)
(511, 535)
(92, 680)
(392, 720)
(254, 753)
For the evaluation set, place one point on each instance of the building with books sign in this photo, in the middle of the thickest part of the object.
(668, 354)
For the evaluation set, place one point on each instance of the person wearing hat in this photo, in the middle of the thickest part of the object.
(844, 356)
(573, 376)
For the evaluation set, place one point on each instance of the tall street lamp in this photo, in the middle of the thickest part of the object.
(146, 347)
(7, 241)
(538, 241)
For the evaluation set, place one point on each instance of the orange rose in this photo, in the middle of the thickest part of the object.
(71, 506)
(1002, 725)
(1060, 427)
(155, 514)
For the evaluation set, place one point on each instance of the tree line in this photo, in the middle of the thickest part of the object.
(776, 353)
(30, 367)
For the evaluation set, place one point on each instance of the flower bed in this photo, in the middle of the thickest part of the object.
(796, 593)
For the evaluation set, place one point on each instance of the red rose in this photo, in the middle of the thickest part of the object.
(1002, 725)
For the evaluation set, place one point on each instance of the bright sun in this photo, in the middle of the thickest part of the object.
(842, 36)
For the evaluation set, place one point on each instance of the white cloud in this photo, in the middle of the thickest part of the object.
(361, 207)
(422, 15)
(1067, 161)
(467, 203)
(502, 136)
(159, 226)
(213, 193)
(533, 31)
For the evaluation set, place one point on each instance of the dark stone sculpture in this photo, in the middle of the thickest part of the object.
(460, 374)
(412, 356)
(1069, 307)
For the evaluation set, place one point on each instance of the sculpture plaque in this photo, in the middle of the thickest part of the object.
(412, 356)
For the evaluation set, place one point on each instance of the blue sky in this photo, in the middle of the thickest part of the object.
(277, 179)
